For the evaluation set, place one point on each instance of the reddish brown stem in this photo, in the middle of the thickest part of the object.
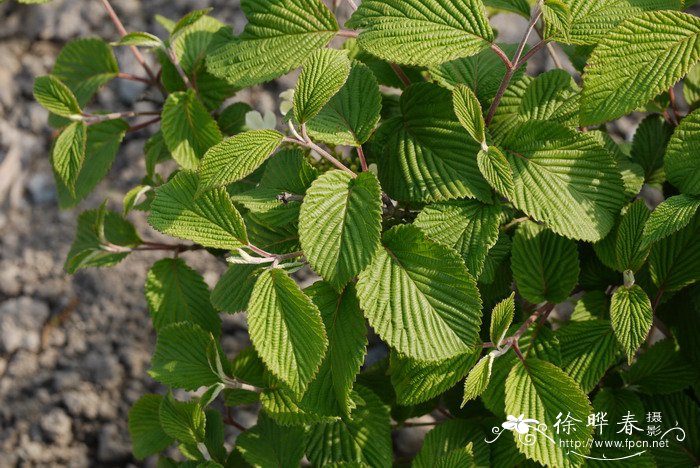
(130, 77)
(401, 74)
(136, 128)
(363, 160)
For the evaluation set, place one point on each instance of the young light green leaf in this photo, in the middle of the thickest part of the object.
(422, 32)
(631, 316)
(545, 265)
(674, 260)
(588, 349)
(236, 157)
(56, 97)
(279, 36)
(351, 115)
(322, 76)
(340, 224)
(177, 293)
(416, 381)
(286, 329)
(494, 166)
(541, 391)
(68, 155)
(329, 393)
(553, 95)
(501, 319)
(468, 226)
(141, 39)
(147, 436)
(185, 422)
(428, 135)
(210, 220)
(444, 315)
(185, 357)
(625, 248)
(188, 20)
(468, 111)
(565, 179)
(362, 440)
(669, 217)
(232, 293)
(268, 444)
(478, 378)
(681, 165)
(640, 58)
(188, 129)
(557, 19)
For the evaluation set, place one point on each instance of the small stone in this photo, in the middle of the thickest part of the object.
(21, 321)
(42, 189)
(113, 446)
(56, 425)
(83, 402)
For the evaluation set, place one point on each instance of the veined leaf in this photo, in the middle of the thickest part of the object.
(588, 349)
(188, 129)
(361, 440)
(521, 7)
(631, 316)
(268, 444)
(232, 118)
(501, 319)
(691, 87)
(468, 111)
(545, 265)
(286, 409)
(625, 248)
(177, 293)
(68, 155)
(565, 179)
(640, 58)
(541, 391)
(286, 329)
(188, 20)
(141, 39)
(210, 220)
(452, 435)
(468, 226)
(553, 95)
(661, 370)
(236, 157)
(147, 436)
(507, 116)
(422, 32)
(322, 76)
(232, 293)
(185, 422)
(279, 36)
(494, 166)
(674, 260)
(557, 19)
(340, 224)
(56, 97)
(351, 115)
(649, 146)
(669, 217)
(681, 165)
(186, 357)
(443, 318)
(428, 155)
(478, 378)
(329, 393)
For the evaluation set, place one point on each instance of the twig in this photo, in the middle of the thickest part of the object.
(306, 142)
(130, 77)
(92, 119)
(401, 74)
(555, 58)
(136, 128)
(502, 55)
(352, 4)
(176, 62)
(363, 160)
(150, 246)
(674, 105)
(515, 222)
(228, 420)
(287, 197)
(348, 33)
(278, 257)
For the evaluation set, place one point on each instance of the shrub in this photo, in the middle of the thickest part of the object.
(449, 201)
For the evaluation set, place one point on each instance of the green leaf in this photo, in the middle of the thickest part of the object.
(507, 117)
(147, 436)
(691, 87)
(681, 408)
(451, 435)
(428, 155)
(419, 297)
(417, 381)
(287, 409)
(286, 329)
(521, 7)
(588, 349)
(322, 76)
(232, 293)
(85, 65)
(541, 391)
(103, 141)
(674, 260)
(649, 146)
(640, 58)
(545, 265)
(56, 97)
(88, 249)
(682, 167)
(351, 115)
(340, 224)
(669, 217)
(177, 293)
(631, 316)
(329, 393)
(188, 129)
(554, 96)
(494, 166)
(232, 118)
(141, 39)
(468, 226)
(624, 248)
(501, 319)
(422, 32)
(362, 440)
(468, 111)
(185, 422)
(210, 220)
(185, 357)
(280, 36)
(493, 264)
(565, 179)
(68, 155)
(189, 19)
(557, 19)
(236, 157)
(478, 378)
(268, 444)
(661, 370)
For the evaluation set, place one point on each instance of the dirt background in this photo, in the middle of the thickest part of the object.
(74, 350)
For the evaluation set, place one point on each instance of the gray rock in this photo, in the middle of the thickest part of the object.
(83, 402)
(56, 426)
(21, 321)
(41, 188)
(113, 446)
